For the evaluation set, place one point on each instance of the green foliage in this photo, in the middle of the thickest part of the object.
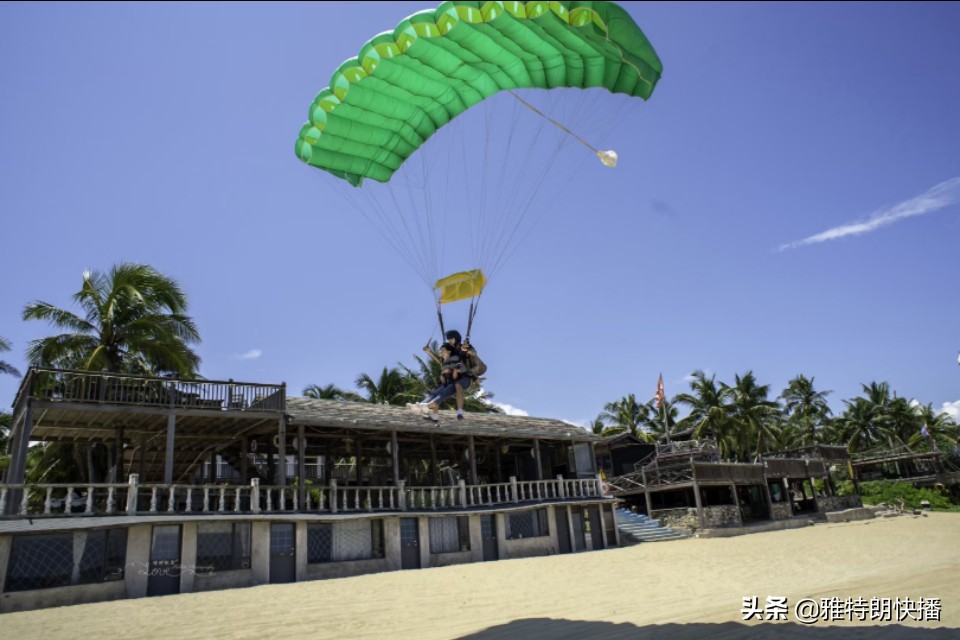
(890, 492)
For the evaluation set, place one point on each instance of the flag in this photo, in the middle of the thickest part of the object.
(660, 395)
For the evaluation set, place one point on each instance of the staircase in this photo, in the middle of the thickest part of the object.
(640, 528)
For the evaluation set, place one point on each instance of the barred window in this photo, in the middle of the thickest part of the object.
(343, 541)
(527, 524)
(223, 546)
(64, 559)
(449, 534)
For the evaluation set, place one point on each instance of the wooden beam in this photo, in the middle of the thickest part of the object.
(536, 456)
(244, 459)
(281, 452)
(473, 461)
(168, 460)
(434, 477)
(301, 468)
(395, 454)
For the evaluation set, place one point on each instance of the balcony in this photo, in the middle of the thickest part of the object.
(104, 388)
(134, 499)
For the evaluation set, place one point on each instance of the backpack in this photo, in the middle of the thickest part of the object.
(475, 366)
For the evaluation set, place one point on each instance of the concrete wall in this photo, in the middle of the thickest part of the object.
(838, 503)
(62, 596)
(223, 580)
(345, 569)
(448, 559)
(782, 510)
(726, 515)
(137, 573)
(260, 552)
(529, 547)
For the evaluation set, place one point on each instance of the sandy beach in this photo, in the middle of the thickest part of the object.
(678, 589)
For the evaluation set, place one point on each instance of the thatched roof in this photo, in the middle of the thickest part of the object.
(375, 417)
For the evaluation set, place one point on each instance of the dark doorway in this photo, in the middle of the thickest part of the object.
(164, 577)
(579, 540)
(563, 530)
(488, 532)
(283, 553)
(409, 543)
(596, 527)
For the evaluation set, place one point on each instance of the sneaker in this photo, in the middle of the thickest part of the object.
(432, 418)
(459, 416)
(413, 407)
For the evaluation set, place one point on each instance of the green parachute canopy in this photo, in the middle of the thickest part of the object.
(404, 85)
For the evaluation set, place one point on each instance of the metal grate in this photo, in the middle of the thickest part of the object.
(223, 546)
(527, 524)
(281, 538)
(81, 557)
(319, 543)
(40, 562)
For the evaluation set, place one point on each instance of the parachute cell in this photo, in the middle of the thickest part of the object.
(404, 85)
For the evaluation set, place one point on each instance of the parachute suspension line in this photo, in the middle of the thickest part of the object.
(474, 305)
(525, 201)
(608, 158)
(379, 222)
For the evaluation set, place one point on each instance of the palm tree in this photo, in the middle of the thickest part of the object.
(659, 422)
(6, 367)
(598, 427)
(806, 408)
(628, 414)
(709, 416)
(755, 418)
(133, 320)
(330, 392)
(862, 426)
(942, 431)
(392, 387)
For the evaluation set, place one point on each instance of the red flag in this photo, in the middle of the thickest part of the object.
(660, 395)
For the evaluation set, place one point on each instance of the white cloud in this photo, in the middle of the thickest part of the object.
(253, 354)
(952, 409)
(510, 410)
(940, 196)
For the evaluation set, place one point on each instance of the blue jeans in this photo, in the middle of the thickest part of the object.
(448, 390)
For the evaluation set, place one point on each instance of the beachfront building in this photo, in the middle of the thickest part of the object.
(686, 486)
(184, 486)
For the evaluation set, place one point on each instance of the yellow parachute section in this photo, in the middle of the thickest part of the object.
(460, 286)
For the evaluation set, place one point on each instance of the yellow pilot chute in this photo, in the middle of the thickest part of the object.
(460, 286)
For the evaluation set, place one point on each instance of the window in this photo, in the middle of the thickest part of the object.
(449, 534)
(64, 559)
(527, 524)
(223, 546)
(344, 541)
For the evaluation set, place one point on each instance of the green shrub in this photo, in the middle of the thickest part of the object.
(887, 491)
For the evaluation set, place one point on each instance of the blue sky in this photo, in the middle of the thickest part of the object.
(787, 202)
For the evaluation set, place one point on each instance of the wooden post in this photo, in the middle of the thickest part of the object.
(434, 479)
(143, 458)
(473, 461)
(646, 493)
(357, 467)
(282, 452)
(536, 456)
(302, 467)
(168, 460)
(463, 494)
(213, 467)
(244, 459)
(496, 461)
(333, 495)
(513, 490)
(395, 453)
(255, 495)
(131, 494)
(813, 489)
(696, 496)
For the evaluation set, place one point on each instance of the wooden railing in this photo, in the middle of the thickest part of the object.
(60, 385)
(64, 500)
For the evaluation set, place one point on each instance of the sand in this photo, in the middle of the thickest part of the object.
(675, 589)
